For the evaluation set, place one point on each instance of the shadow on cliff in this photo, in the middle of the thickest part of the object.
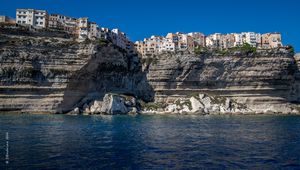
(110, 70)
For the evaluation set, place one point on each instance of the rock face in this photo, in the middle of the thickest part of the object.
(57, 75)
(267, 81)
(48, 74)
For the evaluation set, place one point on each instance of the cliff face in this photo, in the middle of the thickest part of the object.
(264, 82)
(57, 74)
(54, 75)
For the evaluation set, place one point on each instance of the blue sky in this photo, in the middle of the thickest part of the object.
(140, 19)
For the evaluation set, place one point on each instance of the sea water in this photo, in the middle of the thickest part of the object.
(149, 142)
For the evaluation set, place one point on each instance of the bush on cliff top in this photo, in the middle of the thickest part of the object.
(290, 48)
(245, 48)
(103, 42)
(200, 50)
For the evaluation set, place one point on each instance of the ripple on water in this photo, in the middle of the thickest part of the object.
(147, 142)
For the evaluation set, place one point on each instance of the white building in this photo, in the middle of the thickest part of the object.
(251, 38)
(119, 38)
(82, 28)
(168, 45)
(238, 39)
(37, 18)
(213, 41)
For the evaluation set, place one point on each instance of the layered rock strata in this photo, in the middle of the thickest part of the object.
(56, 75)
(52, 73)
(267, 81)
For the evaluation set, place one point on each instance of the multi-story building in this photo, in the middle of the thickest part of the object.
(82, 30)
(119, 38)
(213, 41)
(185, 42)
(151, 45)
(94, 31)
(198, 39)
(105, 33)
(173, 38)
(251, 38)
(271, 40)
(61, 22)
(139, 47)
(181, 41)
(226, 41)
(168, 45)
(238, 40)
(54, 22)
(6, 19)
(36, 18)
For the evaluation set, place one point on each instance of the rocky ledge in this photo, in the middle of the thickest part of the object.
(111, 104)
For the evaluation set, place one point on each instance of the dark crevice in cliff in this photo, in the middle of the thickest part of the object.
(108, 71)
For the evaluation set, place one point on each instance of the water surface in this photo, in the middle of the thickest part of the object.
(149, 142)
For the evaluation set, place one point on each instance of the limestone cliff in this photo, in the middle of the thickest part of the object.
(55, 74)
(265, 81)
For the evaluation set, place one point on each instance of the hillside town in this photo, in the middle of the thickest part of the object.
(182, 42)
(82, 28)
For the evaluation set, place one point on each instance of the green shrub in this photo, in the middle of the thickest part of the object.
(245, 48)
(291, 49)
(103, 42)
(200, 50)
(248, 48)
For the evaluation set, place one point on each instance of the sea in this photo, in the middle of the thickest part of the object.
(149, 142)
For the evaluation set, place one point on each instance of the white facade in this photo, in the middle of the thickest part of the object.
(82, 28)
(251, 38)
(168, 45)
(119, 38)
(37, 18)
(213, 41)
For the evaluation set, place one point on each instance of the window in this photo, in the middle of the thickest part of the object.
(24, 22)
(19, 22)
(36, 23)
(41, 23)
